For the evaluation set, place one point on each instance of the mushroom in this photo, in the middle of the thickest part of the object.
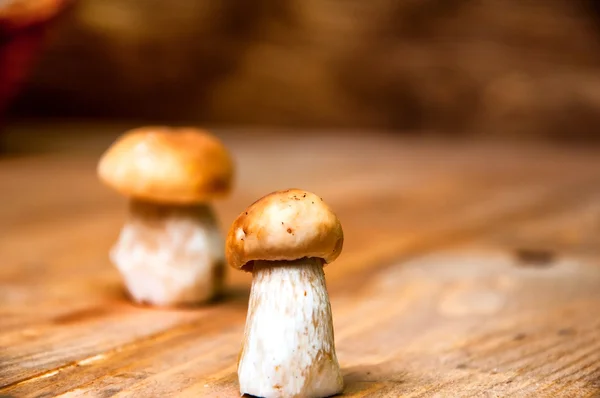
(170, 250)
(285, 239)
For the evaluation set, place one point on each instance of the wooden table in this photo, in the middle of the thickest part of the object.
(469, 269)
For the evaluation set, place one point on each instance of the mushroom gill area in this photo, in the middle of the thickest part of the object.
(288, 348)
(170, 254)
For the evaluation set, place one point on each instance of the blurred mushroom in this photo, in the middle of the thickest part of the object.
(284, 239)
(170, 251)
(23, 13)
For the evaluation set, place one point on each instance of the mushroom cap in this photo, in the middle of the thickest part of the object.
(23, 13)
(284, 226)
(168, 165)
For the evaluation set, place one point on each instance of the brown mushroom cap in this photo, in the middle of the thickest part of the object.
(284, 226)
(168, 165)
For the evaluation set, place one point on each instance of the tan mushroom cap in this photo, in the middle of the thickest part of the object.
(284, 226)
(168, 165)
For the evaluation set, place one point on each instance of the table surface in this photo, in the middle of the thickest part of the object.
(469, 269)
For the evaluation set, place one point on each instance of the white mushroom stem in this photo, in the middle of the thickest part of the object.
(288, 348)
(170, 254)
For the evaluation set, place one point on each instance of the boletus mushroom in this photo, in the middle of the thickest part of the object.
(170, 251)
(285, 239)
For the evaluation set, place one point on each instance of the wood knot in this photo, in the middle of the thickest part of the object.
(534, 257)
(566, 332)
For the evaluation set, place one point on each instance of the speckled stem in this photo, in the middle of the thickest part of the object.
(289, 348)
(170, 255)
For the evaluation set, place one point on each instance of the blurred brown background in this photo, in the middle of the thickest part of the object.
(495, 67)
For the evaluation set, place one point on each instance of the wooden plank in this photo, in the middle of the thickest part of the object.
(455, 322)
(473, 320)
(77, 334)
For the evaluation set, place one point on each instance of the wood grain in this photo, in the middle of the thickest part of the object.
(469, 270)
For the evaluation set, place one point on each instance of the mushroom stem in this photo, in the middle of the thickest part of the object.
(170, 254)
(289, 348)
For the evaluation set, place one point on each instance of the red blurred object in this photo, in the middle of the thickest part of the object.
(23, 24)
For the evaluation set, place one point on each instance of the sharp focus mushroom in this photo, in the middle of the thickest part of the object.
(285, 239)
(170, 250)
